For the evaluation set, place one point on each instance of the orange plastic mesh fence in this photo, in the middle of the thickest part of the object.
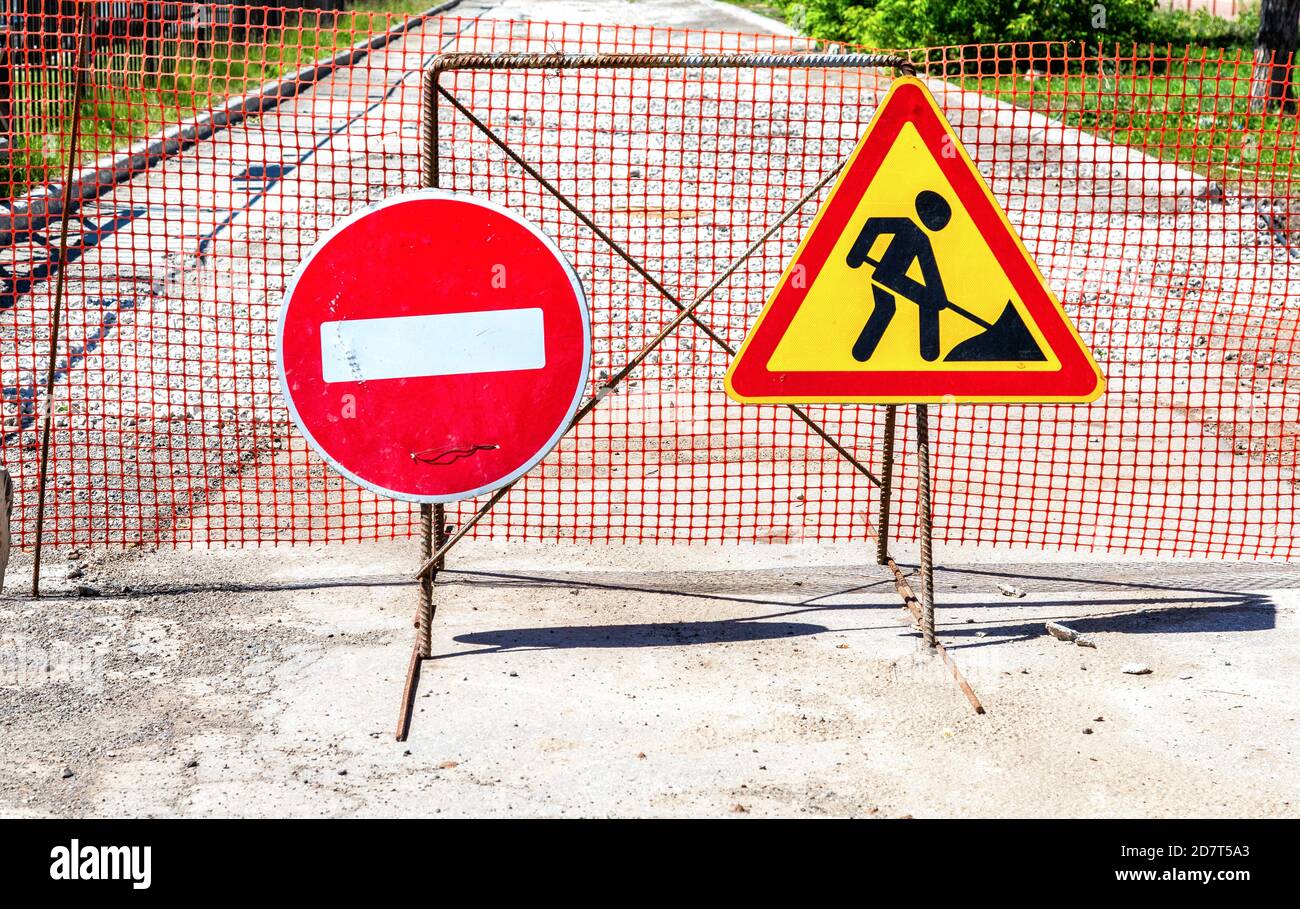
(1154, 202)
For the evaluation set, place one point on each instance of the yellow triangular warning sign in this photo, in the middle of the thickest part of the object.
(911, 285)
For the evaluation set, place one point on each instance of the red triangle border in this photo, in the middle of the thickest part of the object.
(1078, 379)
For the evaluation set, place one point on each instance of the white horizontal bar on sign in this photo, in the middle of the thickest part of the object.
(449, 344)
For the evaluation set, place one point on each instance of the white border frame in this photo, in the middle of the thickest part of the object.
(444, 195)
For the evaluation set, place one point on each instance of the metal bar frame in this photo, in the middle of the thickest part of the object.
(433, 94)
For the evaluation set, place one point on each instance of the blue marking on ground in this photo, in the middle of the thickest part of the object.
(264, 172)
(27, 395)
(91, 234)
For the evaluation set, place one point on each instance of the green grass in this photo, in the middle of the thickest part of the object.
(1191, 108)
(1186, 105)
(125, 105)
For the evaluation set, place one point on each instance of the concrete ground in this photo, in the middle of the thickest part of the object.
(633, 681)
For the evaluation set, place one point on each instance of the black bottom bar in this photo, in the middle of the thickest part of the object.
(973, 858)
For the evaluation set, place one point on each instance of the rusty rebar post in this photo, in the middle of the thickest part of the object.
(432, 517)
(433, 535)
(440, 529)
(912, 605)
(886, 484)
(424, 615)
(926, 518)
(429, 169)
(84, 41)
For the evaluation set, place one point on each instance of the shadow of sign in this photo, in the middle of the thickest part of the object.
(1124, 605)
(1206, 614)
(649, 634)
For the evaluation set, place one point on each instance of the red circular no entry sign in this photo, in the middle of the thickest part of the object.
(434, 346)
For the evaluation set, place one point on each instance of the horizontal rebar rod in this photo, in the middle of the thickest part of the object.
(791, 60)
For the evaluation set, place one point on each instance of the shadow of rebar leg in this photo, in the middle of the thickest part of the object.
(882, 313)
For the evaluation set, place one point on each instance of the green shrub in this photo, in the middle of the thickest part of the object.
(835, 20)
(1199, 27)
(1095, 23)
